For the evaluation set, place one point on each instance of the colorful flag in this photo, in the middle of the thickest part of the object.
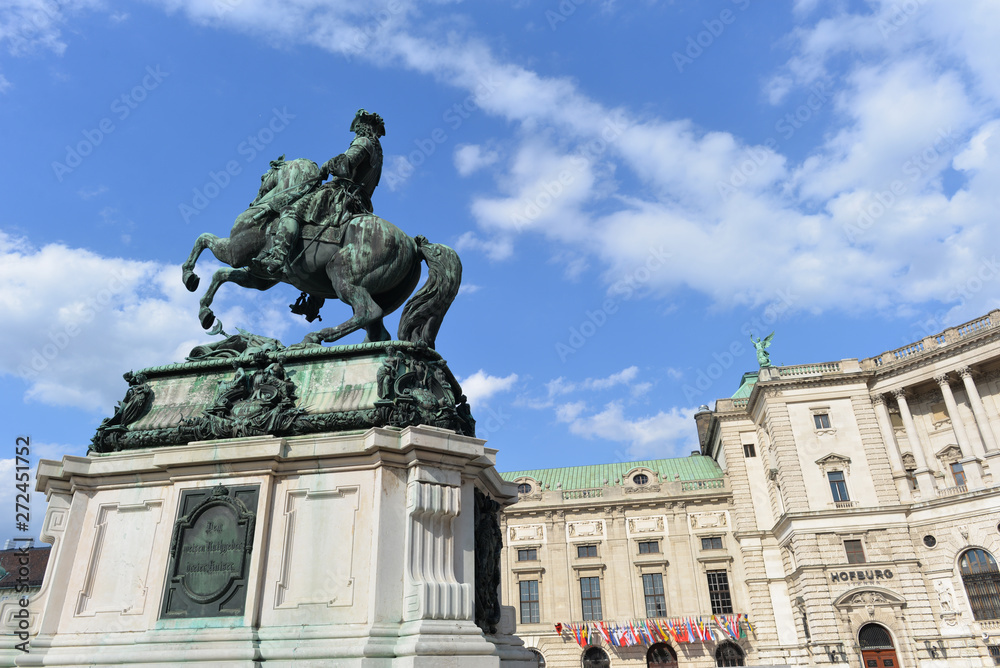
(603, 630)
(690, 630)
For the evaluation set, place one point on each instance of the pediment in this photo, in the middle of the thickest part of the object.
(949, 452)
(833, 458)
(868, 597)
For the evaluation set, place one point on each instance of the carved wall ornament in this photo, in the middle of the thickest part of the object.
(963, 371)
(641, 488)
(653, 524)
(716, 520)
(526, 532)
(946, 596)
(909, 461)
(138, 399)
(585, 529)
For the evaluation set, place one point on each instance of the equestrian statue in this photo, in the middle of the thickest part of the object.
(323, 238)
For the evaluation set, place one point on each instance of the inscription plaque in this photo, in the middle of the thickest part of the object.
(210, 552)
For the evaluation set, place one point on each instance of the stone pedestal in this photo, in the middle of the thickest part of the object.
(357, 549)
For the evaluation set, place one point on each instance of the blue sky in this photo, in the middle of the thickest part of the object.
(632, 187)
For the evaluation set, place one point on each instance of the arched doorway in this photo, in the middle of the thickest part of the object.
(877, 650)
(728, 654)
(661, 655)
(595, 657)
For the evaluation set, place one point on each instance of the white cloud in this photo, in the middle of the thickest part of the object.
(74, 321)
(480, 386)
(561, 386)
(470, 158)
(4, 84)
(894, 83)
(665, 434)
(26, 25)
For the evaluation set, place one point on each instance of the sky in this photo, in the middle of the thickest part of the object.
(634, 189)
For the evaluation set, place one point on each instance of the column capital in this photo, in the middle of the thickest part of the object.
(964, 371)
(941, 379)
(899, 393)
(878, 400)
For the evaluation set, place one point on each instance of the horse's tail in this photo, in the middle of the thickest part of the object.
(423, 314)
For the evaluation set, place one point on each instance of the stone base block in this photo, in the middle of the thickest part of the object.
(351, 549)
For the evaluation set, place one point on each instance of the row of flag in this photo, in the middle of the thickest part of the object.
(652, 631)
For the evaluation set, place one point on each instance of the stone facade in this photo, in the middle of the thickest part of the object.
(862, 518)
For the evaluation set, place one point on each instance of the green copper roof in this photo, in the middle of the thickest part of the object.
(746, 385)
(695, 467)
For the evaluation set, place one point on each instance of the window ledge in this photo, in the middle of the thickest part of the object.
(715, 556)
(650, 559)
(592, 566)
(528, 567)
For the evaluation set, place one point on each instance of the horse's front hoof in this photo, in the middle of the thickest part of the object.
(207, 317)
(191, 281)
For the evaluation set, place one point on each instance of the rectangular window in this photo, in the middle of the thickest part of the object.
(838, 485)
(590, 594)
(855, 552)
(748, 450)
(822, 420)
(527, 555)
(649, 547)
(652, 588)
(718, 593)
(586, 551)
(995, 653)
(713, 543)
(911, 477)
(529, 601)
(958, 472)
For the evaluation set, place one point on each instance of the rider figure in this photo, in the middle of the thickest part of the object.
(356, 173)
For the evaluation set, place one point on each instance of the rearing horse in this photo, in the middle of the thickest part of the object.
(374, 267)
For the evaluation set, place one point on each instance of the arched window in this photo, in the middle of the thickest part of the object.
(640, 478)
(538, 657)
(874, 636)
(524, 488)
(661, 655)
(595, 657)
(982, 583)
(876, 647)
(728, 654)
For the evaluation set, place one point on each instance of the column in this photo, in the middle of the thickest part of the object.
(925, 479)
(978, 410)
(957, 424)
(891, 446)
(970, 463)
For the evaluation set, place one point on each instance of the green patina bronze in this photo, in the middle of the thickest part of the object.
(761, 346)
(247, 385)
(324, 239)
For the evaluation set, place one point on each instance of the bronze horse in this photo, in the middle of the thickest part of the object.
(373, 266)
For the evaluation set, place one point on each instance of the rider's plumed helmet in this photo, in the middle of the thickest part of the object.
(373, 121)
